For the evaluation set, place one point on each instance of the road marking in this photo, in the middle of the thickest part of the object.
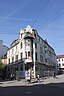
(28, 92)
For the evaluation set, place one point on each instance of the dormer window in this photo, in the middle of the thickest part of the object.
(24, 29)
(33, 30)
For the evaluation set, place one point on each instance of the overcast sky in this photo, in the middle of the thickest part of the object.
(47, 16)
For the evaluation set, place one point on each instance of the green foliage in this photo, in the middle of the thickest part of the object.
(2, 66)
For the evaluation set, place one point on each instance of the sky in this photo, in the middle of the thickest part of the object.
(47, 16)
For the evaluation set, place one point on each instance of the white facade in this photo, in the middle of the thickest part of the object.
(36, 53)
(60, 61)
(3, 49)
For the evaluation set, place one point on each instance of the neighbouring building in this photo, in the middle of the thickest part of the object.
(4, 59)
(60, 62)
(3, 49)
(30, 51)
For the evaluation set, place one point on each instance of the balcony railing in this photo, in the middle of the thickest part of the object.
(18, 61)
(28, 35)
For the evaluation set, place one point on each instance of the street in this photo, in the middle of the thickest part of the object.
(35, 90)
(49, 87)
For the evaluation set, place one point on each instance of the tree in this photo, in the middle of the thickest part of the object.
(2, 66)
(2, 70)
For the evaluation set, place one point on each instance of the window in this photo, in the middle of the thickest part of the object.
(28, 42)
(16, 48)
(41, 58)
(12, 51)
(59, 64)
(9, 52)
(24, 29)
(36, 56)
(42, 41)
(63, 69)
(39, 39)
(35, 35)
(16, 57)
(21, 67)
(46, 60)
(62, 60)
(36, 45)
(33, 30)
(59, 60)
(12, 59)
(16, 69)
(21, 35)
(21, 56)
(21, 45)
(45, 51)
(9, 60)
(41, 50)
(62, 64)
(28, 53)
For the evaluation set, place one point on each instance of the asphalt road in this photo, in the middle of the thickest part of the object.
(35, 90)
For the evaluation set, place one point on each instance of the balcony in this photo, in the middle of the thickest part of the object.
(28, 35)
(28, 60)
(16, 62)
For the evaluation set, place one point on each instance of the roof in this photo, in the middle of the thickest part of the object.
(60, 56)
(5, 46)
(14, 43)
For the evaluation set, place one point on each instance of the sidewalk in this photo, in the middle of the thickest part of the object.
(21, 82)
(49, 80)
(58, 79)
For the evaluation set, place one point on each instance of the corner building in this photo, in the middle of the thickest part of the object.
(30, 51)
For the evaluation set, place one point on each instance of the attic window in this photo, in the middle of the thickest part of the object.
(24, 29)
(33, 29)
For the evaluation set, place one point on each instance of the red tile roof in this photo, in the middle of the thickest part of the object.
(60, 56)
